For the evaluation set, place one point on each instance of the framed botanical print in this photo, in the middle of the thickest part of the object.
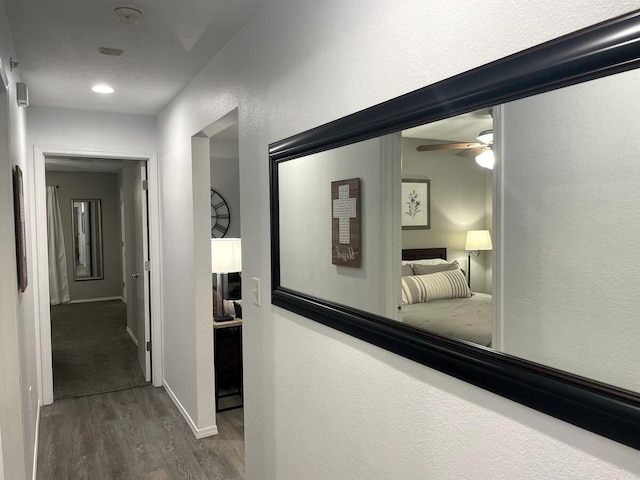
(416, 210)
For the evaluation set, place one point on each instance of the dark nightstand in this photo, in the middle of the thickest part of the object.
(227, 340)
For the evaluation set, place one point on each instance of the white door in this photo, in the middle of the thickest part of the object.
(123, 239)
(140, 277)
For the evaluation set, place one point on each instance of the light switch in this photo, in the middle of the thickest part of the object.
(255, 291)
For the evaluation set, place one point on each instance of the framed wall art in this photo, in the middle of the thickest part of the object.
(21, 239)
(416, 200)
(345, 223)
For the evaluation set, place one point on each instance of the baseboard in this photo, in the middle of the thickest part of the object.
(35, 447)
(133, 337)
(101, 299)
(199, 433)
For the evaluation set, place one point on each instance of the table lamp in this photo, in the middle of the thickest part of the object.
(226, 257)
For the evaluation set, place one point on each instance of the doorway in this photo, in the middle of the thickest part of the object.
(149, 277)
(98, 336)
(216, 167)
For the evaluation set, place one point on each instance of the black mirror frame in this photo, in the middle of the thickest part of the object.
(604, 49)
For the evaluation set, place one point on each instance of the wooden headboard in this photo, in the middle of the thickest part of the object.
(424, 253)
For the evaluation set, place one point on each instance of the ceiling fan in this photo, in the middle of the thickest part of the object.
(481, 150)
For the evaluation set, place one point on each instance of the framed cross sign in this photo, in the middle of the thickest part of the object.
(345, 223)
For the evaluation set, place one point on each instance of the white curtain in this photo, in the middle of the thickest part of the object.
(58, 280)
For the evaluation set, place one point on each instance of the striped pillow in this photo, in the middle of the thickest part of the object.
(434, 286)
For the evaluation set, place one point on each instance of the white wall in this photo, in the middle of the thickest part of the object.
(571, 204)
(18, 414)
(87, 130)
(320, 404)
(458, 203)
(305, 225)
(225, 173)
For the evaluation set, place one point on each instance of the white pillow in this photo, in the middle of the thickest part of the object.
(429, 261)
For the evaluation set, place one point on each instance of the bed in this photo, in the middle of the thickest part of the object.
(437, 299)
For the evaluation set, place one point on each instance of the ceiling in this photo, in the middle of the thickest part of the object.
(461, 128)
(57, 46)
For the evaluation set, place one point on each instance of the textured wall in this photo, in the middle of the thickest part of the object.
(305, 221)
(88, 130)
(18, 359)
(225, 173)
(320, 404)
(571, 203)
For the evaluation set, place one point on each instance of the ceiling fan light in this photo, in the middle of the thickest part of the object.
(486, 159)
(486, 136)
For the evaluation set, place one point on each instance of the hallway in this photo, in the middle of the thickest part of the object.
(134, 434)
(92, 352)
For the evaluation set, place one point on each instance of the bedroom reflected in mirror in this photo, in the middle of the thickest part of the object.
(446, 269)
(87, 239)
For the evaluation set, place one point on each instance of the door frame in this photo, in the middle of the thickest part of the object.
(41, 265)
(141, 212)
(125, 246)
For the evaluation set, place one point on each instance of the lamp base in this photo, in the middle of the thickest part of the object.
(223, 318)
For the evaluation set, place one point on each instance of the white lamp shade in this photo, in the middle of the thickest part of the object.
(226, 255)
(478, 240)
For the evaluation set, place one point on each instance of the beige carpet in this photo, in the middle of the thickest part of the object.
(92, 351)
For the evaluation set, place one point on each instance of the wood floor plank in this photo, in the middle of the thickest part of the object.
(135, 434)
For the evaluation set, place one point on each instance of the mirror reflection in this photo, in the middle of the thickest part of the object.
(446, 268)
(561, 249)
(571, 229)
(87, 239)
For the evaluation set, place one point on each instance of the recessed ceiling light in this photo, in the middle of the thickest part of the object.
(102, 88)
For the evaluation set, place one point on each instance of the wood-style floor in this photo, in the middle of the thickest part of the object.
(134, 434)
(92, 351)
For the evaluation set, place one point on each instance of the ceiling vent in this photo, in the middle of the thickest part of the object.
(114, 52)
(128, 15)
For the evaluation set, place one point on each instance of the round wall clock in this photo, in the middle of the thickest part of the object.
(220, 215)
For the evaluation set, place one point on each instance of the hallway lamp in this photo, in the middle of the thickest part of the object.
(226, 257)
(476, 240)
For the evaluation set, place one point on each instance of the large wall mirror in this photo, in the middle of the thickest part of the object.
(521, 280)
(87, 239)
